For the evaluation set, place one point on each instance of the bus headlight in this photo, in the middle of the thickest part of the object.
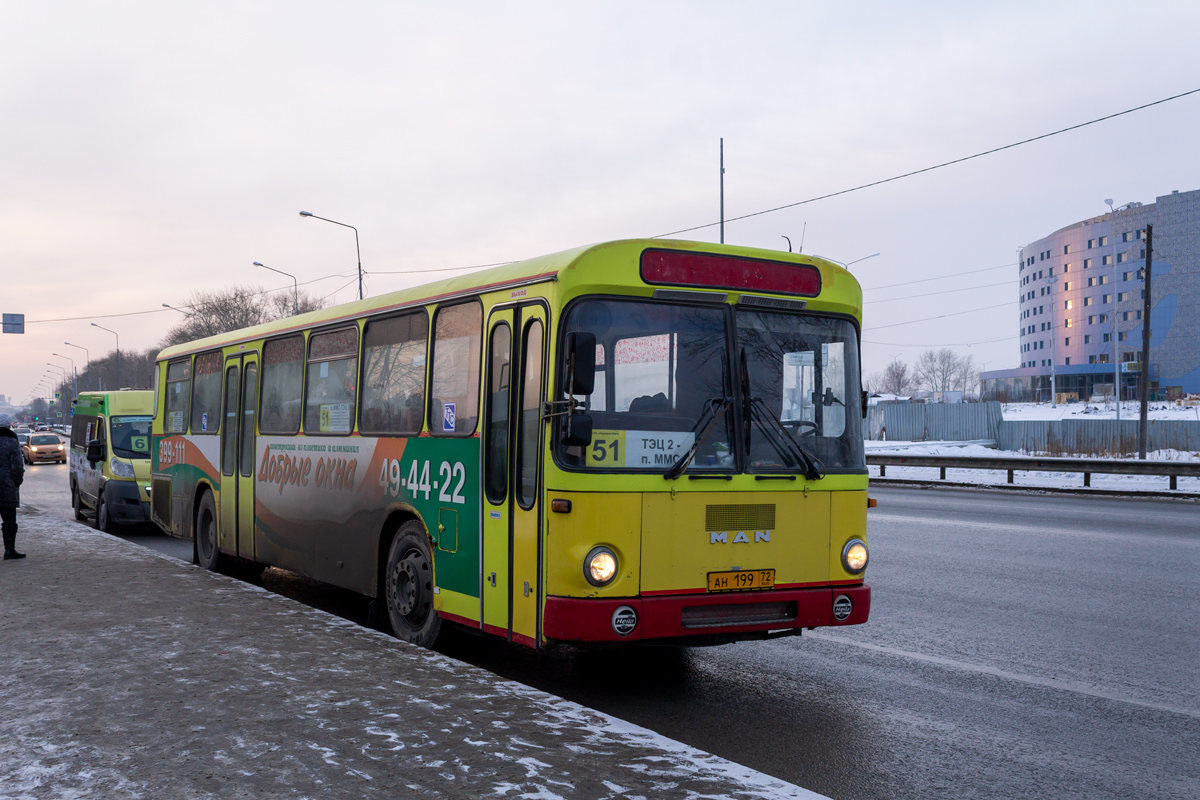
(121, 469)
(855, 556)
(600, 566)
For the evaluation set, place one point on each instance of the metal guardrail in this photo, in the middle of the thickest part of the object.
(1086, 466)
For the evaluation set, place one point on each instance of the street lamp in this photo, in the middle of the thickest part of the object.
(296, 286)
(356, 247)
(180, 310)
(114, 333)
(86, 354)
(75, 389)
(855, 261)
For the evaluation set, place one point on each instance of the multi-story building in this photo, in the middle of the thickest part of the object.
(1081, 304)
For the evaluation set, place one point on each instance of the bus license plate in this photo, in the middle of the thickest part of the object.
(743, 580)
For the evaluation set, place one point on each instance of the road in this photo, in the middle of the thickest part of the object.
(1020, 646)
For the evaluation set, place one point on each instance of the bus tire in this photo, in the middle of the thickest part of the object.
(77, 502)
(408, 587)
(208, 551)
(104, 522)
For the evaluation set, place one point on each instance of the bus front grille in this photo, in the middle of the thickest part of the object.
(742, 517)
(740, 614)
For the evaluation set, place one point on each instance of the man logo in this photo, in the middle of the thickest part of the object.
(723, 537)
(842, 608)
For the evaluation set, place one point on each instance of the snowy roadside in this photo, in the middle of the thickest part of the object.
(1129, 411)
(1033, 479)
(130, 675)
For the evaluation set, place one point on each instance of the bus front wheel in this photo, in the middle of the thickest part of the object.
(409, 587)
(208, 553)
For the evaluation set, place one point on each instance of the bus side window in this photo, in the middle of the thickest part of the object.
(282, 386)
(454, 385)
(206, 393)
(179, 393)
(393, 390)
(332, 381)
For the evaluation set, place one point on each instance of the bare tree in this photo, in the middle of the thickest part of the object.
(937, 370)
(897, 379)
(235, 307)
(945, 370)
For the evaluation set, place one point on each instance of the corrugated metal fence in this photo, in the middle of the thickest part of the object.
(1096, 436)
(959, 422)
(933, 422)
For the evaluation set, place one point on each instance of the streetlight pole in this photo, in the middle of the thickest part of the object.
(1050, 281)
(855, 261)
(86, 354)
(75, 389)
(55, 390)
(180, 310)
(114, 333)
(356, 247)
(296, 286)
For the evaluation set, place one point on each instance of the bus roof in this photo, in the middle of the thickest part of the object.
(126, 401)
(569, 267)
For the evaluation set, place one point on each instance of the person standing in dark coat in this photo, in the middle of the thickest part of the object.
(12, 473)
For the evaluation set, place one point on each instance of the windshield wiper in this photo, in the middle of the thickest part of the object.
(785, 442)
(716, 408)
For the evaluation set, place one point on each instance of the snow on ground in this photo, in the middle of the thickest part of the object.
(992, 477)
(1043, 411)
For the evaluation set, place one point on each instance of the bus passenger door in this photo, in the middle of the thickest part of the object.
(496, 462)
(235, 534)
(247, 430)
(525, 502)
(227, 511)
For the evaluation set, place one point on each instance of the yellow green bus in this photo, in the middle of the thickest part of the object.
(645, 441)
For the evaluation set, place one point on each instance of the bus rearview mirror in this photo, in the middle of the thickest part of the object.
(581, 365)
(578, 430)
(95, 451)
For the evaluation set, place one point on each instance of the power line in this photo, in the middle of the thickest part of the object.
(940, 316)
(944, 344)
(947, 291)
(935, 166)
(440, 269)
(941, 277)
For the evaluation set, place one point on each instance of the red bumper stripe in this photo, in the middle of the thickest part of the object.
(671, 616)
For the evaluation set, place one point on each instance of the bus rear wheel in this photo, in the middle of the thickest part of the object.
(408, 587)
(208, 552)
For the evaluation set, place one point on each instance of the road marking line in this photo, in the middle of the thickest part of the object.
(1045, 683)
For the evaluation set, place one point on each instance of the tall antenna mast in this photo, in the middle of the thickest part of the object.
(722, 190)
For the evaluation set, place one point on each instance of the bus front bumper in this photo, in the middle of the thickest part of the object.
(703, 616)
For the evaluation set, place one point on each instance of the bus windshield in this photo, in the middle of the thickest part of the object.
(131, 436)
(801, 374)
(663, 370)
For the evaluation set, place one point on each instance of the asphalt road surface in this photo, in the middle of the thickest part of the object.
(1020, 646)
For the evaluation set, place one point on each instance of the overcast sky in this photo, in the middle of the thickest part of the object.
(149, 149)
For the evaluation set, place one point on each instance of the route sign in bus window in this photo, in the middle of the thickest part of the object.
(332, 379)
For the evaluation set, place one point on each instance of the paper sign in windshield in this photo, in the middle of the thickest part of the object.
(637, 449)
